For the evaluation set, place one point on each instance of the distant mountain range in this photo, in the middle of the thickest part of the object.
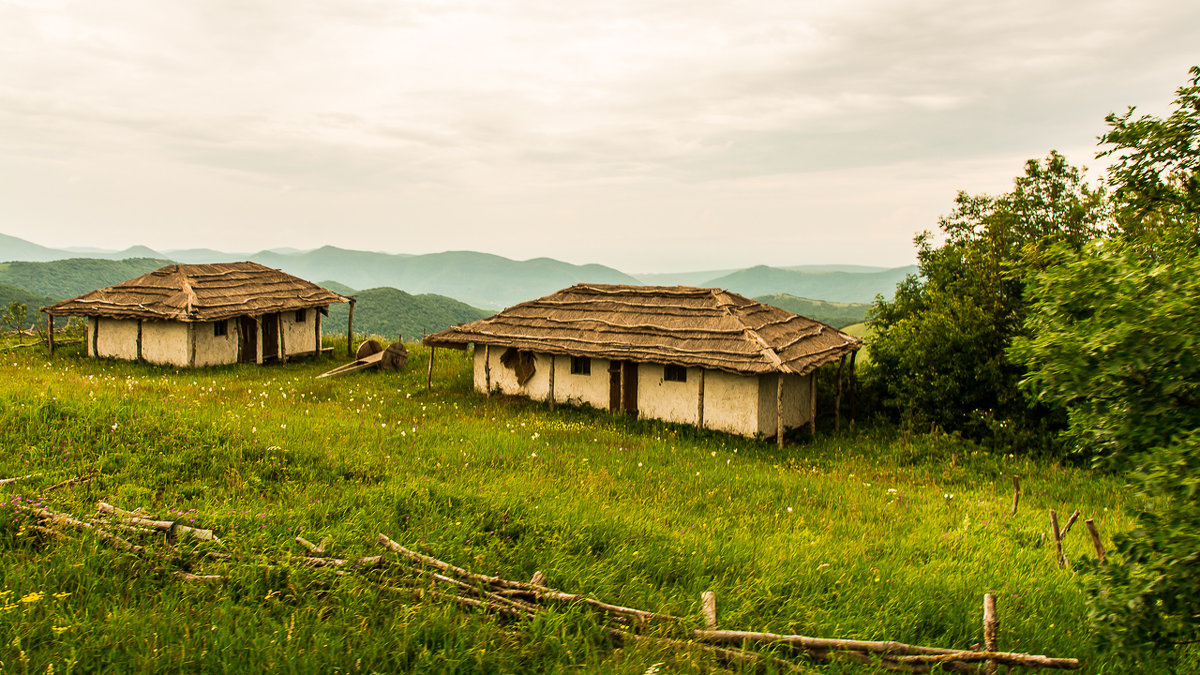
(478, 279)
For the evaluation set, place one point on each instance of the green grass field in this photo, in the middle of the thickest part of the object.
(861, 534)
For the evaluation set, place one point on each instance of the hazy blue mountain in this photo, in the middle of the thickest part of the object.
(836, 314)
(680, 278)
(62, 279)
(12, 248)
(829, 286)
(200, 256)
(479, 279)
(337, 287)
(390, 313)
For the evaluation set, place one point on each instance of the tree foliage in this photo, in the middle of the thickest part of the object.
(1114, 338)
(939, 346)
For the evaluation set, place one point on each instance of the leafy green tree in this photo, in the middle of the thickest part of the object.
(938, 348)
(14, 316)
(1156, 174)
(1113, 336)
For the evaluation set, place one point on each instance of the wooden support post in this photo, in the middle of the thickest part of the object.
(429, 373)
(282, 346)
(1016, 493)
(1091, 527)
(991, 630)
(258, 340)
(139, 340)
(50, 332)
(350, 330)
(316, 331)
(191, 332)
(1058, 549)
(95, 320)
(837, 406)
(700, 403)
(812, 403)
(487, 370)
(853, 387)
(708, 602)
(779, 409)
(552, 360)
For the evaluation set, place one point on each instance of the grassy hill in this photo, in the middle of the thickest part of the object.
(389, 312)
(63, 279)
(866, 534)
(836, 314)
(831, 286)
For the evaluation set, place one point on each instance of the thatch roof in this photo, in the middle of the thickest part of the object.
(675, 325)
(200, 293)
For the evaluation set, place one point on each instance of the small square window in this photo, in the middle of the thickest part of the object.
(581, 365)
(221, 329)
(301, 315)
(675, 374)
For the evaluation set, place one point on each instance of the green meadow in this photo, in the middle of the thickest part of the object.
(869, 533)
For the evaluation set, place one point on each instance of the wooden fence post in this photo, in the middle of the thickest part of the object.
(708, 602)
(429, 373)
(350, 330)
(1016, 493)
(1058, 549)
(991, 630)
(1091, 526)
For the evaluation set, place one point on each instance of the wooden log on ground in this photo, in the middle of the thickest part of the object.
(538, 579)
(69, 521)
(197, 578)
(739, 657)
(5, 481)
(519, 588)
(168, 526)
(69, 482)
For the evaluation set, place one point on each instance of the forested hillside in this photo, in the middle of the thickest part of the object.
(63, 279)
(390, 312)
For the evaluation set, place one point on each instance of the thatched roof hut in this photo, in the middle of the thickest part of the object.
(667, 327)
(160, 311)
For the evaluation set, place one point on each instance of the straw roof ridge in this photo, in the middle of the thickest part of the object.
(201, 292)
(673, 325)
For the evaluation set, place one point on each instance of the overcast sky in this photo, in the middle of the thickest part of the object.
(649, 135)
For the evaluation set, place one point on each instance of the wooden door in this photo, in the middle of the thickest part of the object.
(247, 339)
(614, 385)
(270, 336)
(629, 394)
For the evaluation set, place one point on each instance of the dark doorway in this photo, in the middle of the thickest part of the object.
(630, 388)
(270, 338)
(247, 340)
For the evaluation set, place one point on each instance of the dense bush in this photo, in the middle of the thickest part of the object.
(938, 348)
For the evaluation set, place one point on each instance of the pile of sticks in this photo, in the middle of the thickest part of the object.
(425, 578)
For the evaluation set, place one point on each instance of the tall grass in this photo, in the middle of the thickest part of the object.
(859, 534)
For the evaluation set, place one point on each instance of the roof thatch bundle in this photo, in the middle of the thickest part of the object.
(200, 293)
(673, 325)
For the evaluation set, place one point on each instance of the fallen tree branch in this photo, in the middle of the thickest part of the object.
(72, 481)
(5, 481)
